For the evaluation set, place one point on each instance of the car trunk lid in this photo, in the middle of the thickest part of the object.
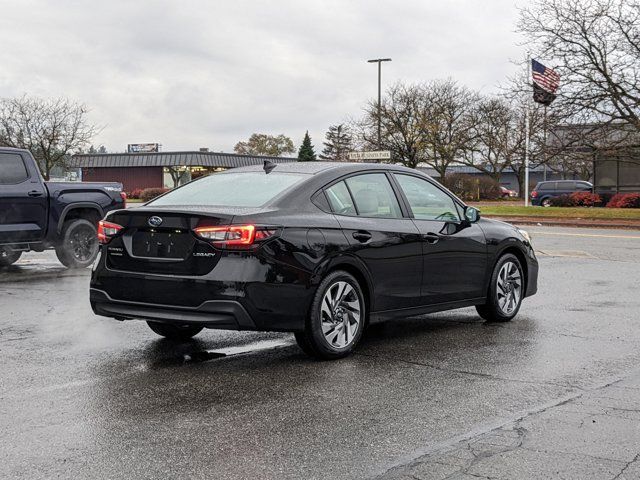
(162, 241)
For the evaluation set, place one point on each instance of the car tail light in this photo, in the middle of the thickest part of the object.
(234, 236)
(123, 195)
(534, 194)
(106, 230)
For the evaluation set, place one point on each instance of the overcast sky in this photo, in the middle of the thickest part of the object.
(191, 74)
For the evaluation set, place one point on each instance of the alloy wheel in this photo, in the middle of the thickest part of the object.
(83, 243)
(509, 288)
(340, 314)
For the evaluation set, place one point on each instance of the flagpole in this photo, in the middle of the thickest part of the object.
(526, 139)
(544, 145)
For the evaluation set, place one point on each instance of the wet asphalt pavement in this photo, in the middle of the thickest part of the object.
(440, 396)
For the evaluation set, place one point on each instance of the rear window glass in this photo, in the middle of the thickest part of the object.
(340, 199)
(233, 189)
(12, 169)
(546, 186)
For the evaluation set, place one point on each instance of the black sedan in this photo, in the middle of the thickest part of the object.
(318, 249)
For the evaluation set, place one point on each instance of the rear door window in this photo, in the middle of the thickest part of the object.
(12, 169)
(374, 196)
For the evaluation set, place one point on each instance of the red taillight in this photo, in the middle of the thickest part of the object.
(234, 236)
(106, 230)
(534, 194)
(123, 195)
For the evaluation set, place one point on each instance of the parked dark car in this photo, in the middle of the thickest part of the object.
(545, 191)
(319, 249)
(37, 215)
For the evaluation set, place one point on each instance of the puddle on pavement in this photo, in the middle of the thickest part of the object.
(206, 355)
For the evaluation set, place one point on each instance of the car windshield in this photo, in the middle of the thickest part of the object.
(233, 189)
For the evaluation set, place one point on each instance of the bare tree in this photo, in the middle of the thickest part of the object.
(499, 137)
(177, 174)
(429, 122)
(597, 46)
(51, 129)
(401, 114)
(447, 123)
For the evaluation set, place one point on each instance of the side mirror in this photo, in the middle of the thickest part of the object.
(471, 214)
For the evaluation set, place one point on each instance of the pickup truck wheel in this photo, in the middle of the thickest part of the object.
(78, 244)
(8, 257)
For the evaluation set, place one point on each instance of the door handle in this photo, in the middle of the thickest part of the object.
(362, 236)
(431, 238)
(34, 193)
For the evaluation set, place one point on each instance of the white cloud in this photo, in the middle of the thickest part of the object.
(209, 73)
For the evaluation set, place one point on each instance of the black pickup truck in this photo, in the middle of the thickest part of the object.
(37, 215)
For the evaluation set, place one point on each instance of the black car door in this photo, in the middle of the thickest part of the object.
(388, 243)
(23, 202)
(454, 252)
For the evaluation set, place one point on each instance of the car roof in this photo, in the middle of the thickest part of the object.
(313, 168)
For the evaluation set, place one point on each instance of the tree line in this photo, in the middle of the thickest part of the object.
(593, 44)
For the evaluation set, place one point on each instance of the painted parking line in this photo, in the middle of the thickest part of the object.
(593, 235)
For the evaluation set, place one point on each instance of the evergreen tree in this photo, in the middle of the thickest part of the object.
(338, 144)
(306, 152)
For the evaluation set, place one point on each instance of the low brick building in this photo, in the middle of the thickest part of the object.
(159, 169)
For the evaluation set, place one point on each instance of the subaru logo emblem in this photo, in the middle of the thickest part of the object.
(154, 221)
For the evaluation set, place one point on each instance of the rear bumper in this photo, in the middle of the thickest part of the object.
(222, 314)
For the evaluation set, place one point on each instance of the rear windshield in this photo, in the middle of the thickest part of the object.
(241, 189)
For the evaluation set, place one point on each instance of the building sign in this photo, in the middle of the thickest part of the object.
(143, 147)
(378, 155)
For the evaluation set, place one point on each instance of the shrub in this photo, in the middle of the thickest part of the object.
(151, 193)
(562, 201)
(470, 187)
(135, 193)
(489, 189)
(464, 186)
(586, 199)
(625, 200)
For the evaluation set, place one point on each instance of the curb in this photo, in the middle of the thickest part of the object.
(545, 222)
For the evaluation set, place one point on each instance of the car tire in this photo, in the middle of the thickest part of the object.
(9, 257)
(506, 290)
(545, 202)
(78, 245)
(336, 319)
(174, 332)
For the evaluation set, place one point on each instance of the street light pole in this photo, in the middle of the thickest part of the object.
(379, 62)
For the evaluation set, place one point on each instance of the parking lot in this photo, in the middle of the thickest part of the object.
(556, 392)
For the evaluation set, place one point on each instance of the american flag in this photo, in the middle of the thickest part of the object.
(544, 77)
